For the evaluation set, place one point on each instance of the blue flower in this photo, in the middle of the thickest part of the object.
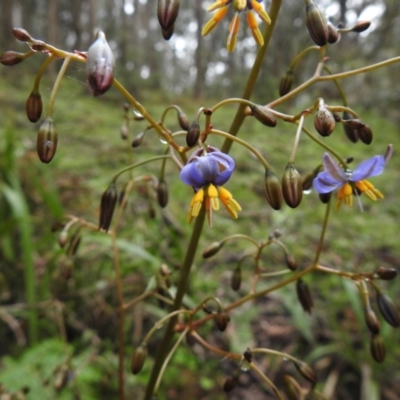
(207, 172)
(238, 5)
(350, 182)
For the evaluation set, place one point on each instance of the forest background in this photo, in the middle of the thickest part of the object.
(74, 348)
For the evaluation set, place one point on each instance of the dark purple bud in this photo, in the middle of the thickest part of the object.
(304, 296)
(138, 139)
(100, 65)
(365, 134)
(183, 120)
(212, 249)
(388, 310)
(273, 190)
(10, 58)
(236, 279)
(124, 131)
(377, 348)
(22, 35)
(230, 383)
(264, 115)
(351, 131)
(372, 321)
(325, 197)
(221, 320)
(290, 262)
(138, 359)
(162, 193)
(167, 12)
(286, 83)
(361, 26)
(47, 138)
(306, 371)
(248, 355)
(292, 189)
(333, 34)
(107, 206)
(63, 238)
(193, 134)
(317, 24)
(167, 34)
(324, 121)
(387, 274)
(34, 106)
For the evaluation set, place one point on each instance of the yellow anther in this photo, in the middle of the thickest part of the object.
(253, 24)
(258, 8)
(233, 30)
(212, 23)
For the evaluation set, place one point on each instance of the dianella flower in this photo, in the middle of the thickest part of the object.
(238, 6)
(207, 171)
(350, 182)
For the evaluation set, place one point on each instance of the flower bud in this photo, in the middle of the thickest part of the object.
(138, 358)
(193, 134)
(167, 34)
(333, 34)
(46, 143)
(361, 26)
(372, 321)
(351, 131)
(167, 12)
(124, 131)
(22, 35)
(10, 58)
(137, 140)
(230, 383)
(306, 371)
(162, 193)
(286, 83)
(292, 388)
(100, 65)
(325, 197)
(63, 238)
(377, 348)
(365, 134)
(264, 115)
(248, 355)
(304, 296)
(292, 186)
(388, 310)
(387, 274)
(324, 121)
(212, 249)
(272, 190)
(317, 24)
(183, 120)
(236, 279)
(107, 206)
(221, 320)
(290, 262)
(34, 106)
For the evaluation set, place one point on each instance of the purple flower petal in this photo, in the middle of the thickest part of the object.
(325, 183)
(333, 169)
(371, 167)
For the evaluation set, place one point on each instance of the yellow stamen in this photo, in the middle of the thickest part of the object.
(369, 190)
(216, 18)
(231, 205)
(258, 8)
(253, 25)
(233, 30)
(239, 5)
(216, 5)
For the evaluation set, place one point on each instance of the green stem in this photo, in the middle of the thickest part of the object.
(165, 345)
(56, 86)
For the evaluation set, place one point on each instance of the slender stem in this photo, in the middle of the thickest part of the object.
(56, 86)
(39, 74)
(165, 345)
(297, 139)
(255, 368)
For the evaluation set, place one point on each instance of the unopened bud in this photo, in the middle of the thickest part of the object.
(377, 348)
(63, 238)
(264, 115)
(167, 12)
(273, 190)
(193, 134)
(324, 121)
(221, 320)
(127, 107)
(138, 358)
(167, 34)
(107, 206)
(372, 321)
(286, 82)
(361, 26)
(306, 371)
(290, 262)
(34, 106)
(138, 139)
(351, 131)
(388, 310)
(124, 131)
(317, 24)
(387, 274)
(333, 34)
(212, 249)
(292, 189)
(100, 65)
(10, 58)
(230, 383)
(183, 120)
(365, 134)
(236, 279)
(292, 388)
(162, 193)
(304, 296)
(47, 138)
(248, 356)
(325, 197)
(22, 35)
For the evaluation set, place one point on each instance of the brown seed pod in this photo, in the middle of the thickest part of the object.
(47, 138)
